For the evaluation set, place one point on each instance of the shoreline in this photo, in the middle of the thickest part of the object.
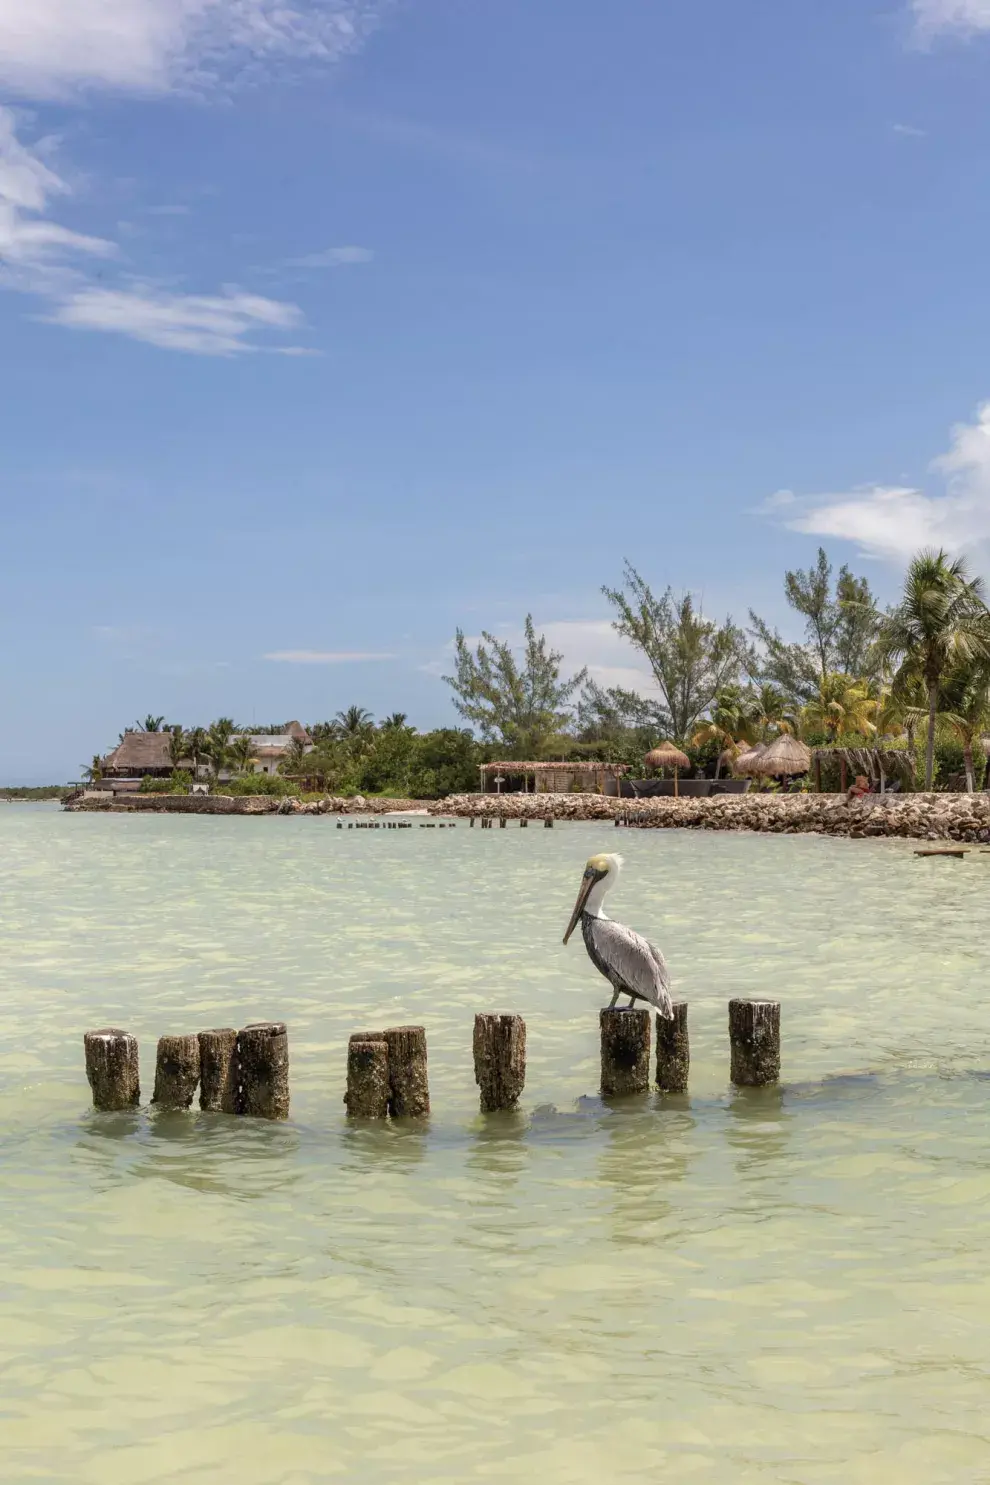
(959, 817)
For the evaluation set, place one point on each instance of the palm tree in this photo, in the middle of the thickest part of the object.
(843, 706)
(965, 708)
(731, 722)
(196, 742)
(395, 722)
(241, 751)
(150, 724)
(940, 622)
(178, 748)
(93, 770)
(357, 721)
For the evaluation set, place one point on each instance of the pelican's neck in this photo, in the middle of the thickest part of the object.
(593, 906)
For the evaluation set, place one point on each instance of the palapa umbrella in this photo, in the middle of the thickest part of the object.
(665, 755)
(745, 764)
(786, 755)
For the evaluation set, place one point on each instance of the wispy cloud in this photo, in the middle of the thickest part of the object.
(334, 257)
(909, 131)
(207, 325)
(892, 522)
(964, 17)
(40, 257)
(51, 48)
(325, 657)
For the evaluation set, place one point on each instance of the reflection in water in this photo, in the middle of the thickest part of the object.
(717, 1287)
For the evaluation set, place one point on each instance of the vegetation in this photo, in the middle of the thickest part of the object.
(858, 677)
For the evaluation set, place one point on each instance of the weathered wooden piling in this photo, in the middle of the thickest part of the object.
(176, 1072)
(548, 823)
(263, 1070)
(367, 1076)
(754, 1038)
(218, 1070)
(673, 1050)
(471, 822)
(112, 1069)
(502, 822)
(409, 1088)
(499, 1060)
(523, 823)
(625, 1051)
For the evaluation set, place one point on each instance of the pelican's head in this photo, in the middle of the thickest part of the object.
(599, 875)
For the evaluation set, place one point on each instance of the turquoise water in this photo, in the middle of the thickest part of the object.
(773, 1286)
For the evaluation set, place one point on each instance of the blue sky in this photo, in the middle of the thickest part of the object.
(328, 329)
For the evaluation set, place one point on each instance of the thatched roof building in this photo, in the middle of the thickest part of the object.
(140, 753)
(785, 755)
(666, 755)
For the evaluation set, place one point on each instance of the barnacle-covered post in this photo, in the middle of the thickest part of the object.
(176, 1072)
(625, 1051)
(409, 1087)
(367, 1076)
(499, 1060)
(218, 1070)
(754, 1039)
(673, 1050)
(263, 1070)
(112, 1069)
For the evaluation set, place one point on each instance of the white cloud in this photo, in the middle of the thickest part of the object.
(964, 16)
(334, 257)
(31, 245)
(910, 131)
(50, 48)
(891, 521)
(39, 256)
(207, 325)
(324, 657)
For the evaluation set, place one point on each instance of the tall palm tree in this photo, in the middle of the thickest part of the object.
(93, 770)
(940, 622)
(196, 742)
(355, 722)
(178, 748)
(731, 722)
(150, 724)
(965, 708)
(395, 722)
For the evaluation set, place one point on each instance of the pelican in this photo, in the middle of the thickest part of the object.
(631, 964)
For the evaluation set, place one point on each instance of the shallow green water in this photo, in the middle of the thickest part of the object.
(740, 1288)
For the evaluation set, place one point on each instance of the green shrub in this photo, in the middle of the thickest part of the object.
(259, 783)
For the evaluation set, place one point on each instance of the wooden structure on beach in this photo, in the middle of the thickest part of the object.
(879, 765)
(554, 778)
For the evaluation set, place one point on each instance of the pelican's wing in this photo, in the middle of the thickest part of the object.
(635, 961)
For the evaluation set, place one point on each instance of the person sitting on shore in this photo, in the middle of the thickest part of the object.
(856, 791)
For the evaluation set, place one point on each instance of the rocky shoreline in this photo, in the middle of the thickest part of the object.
(960, 817)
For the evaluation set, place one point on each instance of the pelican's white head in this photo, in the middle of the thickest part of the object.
(599, 875)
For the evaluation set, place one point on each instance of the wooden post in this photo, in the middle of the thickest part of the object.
(409, 1089)
(112, 1069)
(367, 1076)
(499, 1060)
(471, 822)
(625, 1051)
(176, 1071)
(843, 776)
(218, 1070)
(548, 823)
(754, 1038)
(501, 822)
(263, 1070)
(523, 823)
(818, 773)
(677, 787)
(673, 1050)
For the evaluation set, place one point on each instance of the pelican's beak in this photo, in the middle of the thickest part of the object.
(587, 882)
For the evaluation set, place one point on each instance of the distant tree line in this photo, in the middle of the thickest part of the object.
(914, 676)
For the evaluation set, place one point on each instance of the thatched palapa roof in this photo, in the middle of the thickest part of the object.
(746, 763)
(665, 755)
(784, 755)
(871, 761)
(140, 752)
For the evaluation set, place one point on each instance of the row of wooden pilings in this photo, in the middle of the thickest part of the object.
(247, 1072)
(487, 822)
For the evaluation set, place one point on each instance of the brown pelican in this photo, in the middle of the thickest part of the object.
(631, 964)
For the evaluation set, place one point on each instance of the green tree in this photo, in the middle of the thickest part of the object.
(355, 722)
(691, 657)
(178, 748)
(842, 708)
(240, 751)
(965, 708)
(840, 631)
(93, 770)
(150, 724)
(196, 744)
(522, 706)
(941, 622)
(395, 722)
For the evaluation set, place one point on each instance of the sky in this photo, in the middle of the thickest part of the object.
(329, 326)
